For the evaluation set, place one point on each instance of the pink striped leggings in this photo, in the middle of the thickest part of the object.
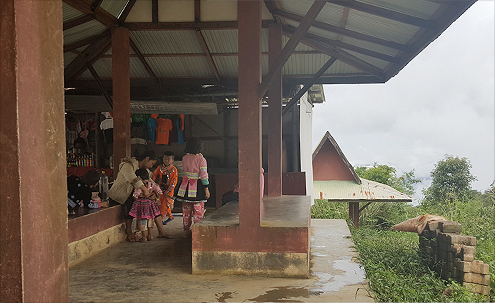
(192, 212)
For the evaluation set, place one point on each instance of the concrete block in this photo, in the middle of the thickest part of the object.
(434, 225)
(469, 250)
(485, 290)
(476, 288)
(467, 258)
(450, 227)
(462, 239)
(475, 278)
(462, 265)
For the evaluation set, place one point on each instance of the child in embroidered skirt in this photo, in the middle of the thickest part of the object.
(166, 175)
(145, 210)
(193, 190)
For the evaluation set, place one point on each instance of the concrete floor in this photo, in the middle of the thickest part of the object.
(160, 271)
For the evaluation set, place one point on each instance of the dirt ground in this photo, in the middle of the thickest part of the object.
(160, 271)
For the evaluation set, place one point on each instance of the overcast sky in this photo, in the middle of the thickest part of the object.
(442, 102)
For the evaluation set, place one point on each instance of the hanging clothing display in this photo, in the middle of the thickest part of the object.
(163, 131)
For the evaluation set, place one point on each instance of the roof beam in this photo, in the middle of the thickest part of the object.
(197, 10)
(205, 48)
(95, 4)
(344, 57)
(100, 85)
(386, 13)
(344, 32)
(78, 21)
(307, 86)
(85, 7)
(209, 25)
(143, 61)
(154, 11)
(301, 30)
(126, 11)
(83, 42)
(340, 44)
(90, 55)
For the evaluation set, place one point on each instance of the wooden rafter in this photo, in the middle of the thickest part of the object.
(308, 85)
(90, 55)
(386, 13)
(85, 7)
(127, 9)
(344, 57)
(143, 61)
(95, 4)
(343, 21)
(154, 11)
(78, 21)
(209, 25)
(197, 10)
(273, 5)
(205, 48)
(302, 29)
(189, 55)
(100, 85)
(345, 32)
(86, 41)
(343, 45)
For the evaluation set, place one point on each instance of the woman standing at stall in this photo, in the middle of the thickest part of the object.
(193, 190)
(124, 185)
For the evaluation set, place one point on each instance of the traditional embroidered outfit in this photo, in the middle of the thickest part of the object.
(166, 178)
(192, 189)
(144, 208)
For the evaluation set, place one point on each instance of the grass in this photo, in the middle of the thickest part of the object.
(395, 270)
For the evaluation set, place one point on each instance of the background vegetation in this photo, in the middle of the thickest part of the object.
(396, 272)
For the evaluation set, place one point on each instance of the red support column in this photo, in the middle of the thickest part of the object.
(275, 114)
(33, 191)
(249, 23)
(121, 96)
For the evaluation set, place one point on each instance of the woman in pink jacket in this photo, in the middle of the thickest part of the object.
(193, 190)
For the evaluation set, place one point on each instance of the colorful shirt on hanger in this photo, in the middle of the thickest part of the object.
(163, 131)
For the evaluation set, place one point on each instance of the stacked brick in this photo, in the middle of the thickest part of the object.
(453, 255)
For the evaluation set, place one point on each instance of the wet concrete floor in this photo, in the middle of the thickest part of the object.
(160, 271)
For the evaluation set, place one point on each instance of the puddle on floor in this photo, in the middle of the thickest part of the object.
(221, 297)
(351, 273)
(284, 294)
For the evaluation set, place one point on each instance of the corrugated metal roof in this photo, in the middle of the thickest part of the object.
(180, 67)
(380, 27)
(166, 42)
(418, 8)
(348, 191)
(113, 7)
(167, 47)
(83, 31)
(221, 41)
(70, 13)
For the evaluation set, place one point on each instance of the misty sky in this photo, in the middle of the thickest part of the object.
(442, 102)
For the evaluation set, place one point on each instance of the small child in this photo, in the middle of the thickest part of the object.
(166, 176)
(144, 209)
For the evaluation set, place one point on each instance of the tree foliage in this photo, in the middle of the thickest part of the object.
(388, 175)
(451, 180)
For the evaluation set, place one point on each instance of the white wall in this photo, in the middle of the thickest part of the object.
(306, 119)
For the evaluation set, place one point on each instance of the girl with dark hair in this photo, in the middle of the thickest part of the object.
(193, 190)
(126, 182)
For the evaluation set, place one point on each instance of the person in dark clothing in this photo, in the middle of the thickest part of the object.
(79, 190)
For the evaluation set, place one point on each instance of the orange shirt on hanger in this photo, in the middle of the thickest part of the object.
(163, 130)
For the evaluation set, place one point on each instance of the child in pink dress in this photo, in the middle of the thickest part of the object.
(145, 209)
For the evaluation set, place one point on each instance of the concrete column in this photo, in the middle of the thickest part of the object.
(121, 96)
(249, 23)
(33, 190)
(275, 114)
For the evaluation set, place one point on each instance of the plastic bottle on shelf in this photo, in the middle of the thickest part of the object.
(103, 184)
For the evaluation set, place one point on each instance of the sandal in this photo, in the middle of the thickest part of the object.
(131, 239)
